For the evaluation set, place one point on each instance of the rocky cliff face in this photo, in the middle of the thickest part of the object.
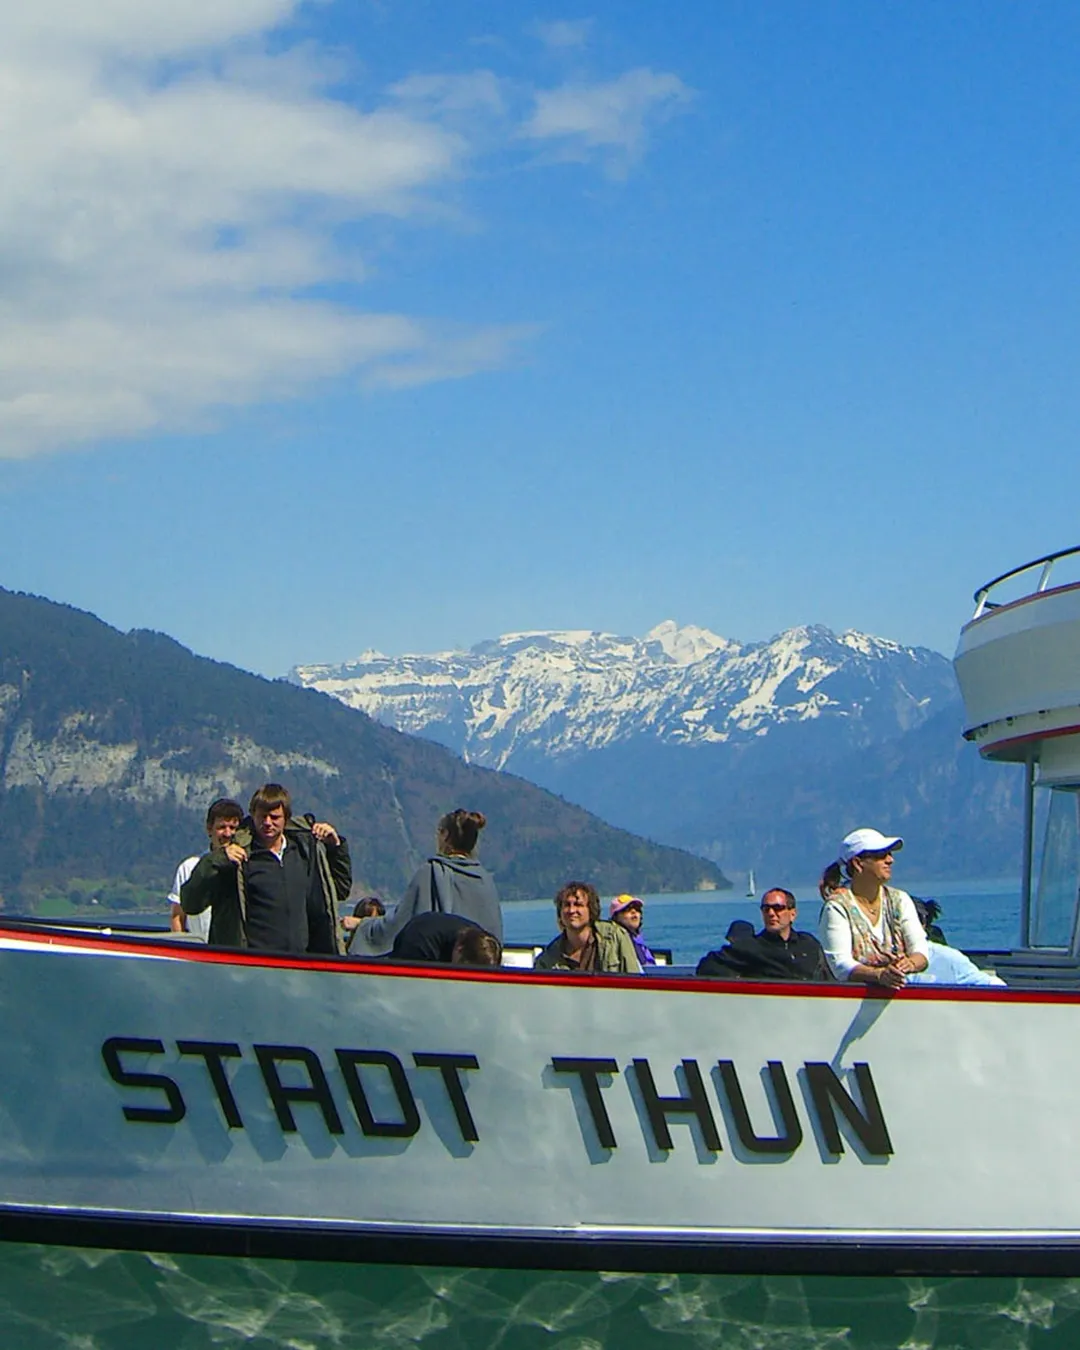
(112, 745)
(74, 760)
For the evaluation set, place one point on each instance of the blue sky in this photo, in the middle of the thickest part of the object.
(380, 323)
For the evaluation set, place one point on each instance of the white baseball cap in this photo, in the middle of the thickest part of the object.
(868, 841)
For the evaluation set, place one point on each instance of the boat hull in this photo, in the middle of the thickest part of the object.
(178, 1098)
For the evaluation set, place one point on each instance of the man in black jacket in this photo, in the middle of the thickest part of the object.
(778, 952)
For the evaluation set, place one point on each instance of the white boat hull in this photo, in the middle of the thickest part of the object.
(180, 1098)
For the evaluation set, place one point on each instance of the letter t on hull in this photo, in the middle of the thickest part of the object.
(587, 1071)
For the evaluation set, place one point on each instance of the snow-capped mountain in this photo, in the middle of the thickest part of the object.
(756, 755)
(553, 695)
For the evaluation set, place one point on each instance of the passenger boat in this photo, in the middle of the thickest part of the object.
(161, 1095)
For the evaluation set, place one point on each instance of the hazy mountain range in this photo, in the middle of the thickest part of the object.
(758, 755)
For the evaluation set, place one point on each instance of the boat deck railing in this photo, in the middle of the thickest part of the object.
(1046, 564)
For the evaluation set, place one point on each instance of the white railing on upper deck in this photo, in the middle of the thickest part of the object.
(1046, 563)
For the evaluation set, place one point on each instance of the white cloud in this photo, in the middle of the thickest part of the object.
(611, 117)
(118, 28)
(134, 372)
(478, 90)
(157, 234)
(449, 355)
(564, 34)
(175, 176)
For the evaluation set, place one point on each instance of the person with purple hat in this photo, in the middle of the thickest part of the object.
(870, 930)
(629, 913)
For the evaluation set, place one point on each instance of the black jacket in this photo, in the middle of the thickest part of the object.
(766, 956)
(429, 937)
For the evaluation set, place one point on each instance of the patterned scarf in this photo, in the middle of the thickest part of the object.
(866, 947)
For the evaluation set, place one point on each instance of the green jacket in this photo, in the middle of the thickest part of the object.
(219, 885)
(614, 951)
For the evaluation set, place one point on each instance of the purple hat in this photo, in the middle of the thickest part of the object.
(622, 902)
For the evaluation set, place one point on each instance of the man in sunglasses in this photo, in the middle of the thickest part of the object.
(778, 952)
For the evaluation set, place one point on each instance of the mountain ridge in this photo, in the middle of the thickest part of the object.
(113, 744)
(678, 732)
(508, 691)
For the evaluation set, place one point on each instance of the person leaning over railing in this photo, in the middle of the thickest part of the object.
(869, 929)
(446, 938)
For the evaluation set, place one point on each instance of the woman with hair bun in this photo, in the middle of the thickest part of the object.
(451, 881)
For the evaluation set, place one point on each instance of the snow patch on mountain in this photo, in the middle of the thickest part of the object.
(686, 645)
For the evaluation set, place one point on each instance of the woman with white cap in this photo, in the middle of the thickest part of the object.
(870, 930)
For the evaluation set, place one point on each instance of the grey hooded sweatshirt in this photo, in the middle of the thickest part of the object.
(444, 885)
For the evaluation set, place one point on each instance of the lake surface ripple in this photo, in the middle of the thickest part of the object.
(94, 1300)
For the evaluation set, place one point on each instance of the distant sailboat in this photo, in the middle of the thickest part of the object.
(751, 890)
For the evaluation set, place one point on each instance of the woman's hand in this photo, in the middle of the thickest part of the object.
(894, 975)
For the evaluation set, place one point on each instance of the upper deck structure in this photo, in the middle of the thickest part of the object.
(1018, 663)
(1018, 666)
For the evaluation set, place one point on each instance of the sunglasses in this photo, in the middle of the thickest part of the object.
(776, 909)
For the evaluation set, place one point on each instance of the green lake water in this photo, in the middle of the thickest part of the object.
(93, 1300)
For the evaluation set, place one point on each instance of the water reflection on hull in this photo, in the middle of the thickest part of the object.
(98, 1300)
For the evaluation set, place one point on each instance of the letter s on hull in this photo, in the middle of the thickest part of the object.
(111, 1051)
